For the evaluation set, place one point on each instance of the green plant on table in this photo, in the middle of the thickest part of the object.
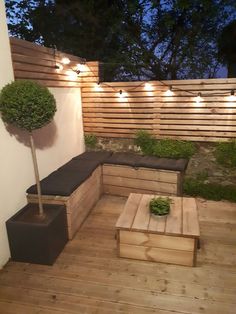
(90, 140)
(160, 206)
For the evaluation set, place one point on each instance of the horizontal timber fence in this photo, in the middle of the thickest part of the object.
(119, 109)
(38, 63)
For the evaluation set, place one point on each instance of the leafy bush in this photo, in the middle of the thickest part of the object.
(145, 141)
(210, 191)
(165, 148)
(27, 105)
(160, 206)
(90, 140)
(225, 154)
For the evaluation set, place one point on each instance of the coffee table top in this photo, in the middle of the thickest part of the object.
(182, 219)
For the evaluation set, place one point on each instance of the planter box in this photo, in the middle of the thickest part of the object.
(37, 240)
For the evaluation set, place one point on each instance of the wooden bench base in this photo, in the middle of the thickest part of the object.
(112, 179)
(123, 180)
(79, 203)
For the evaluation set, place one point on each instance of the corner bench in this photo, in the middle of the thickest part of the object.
(79, 183)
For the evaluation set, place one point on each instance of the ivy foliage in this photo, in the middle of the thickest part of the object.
(90, 140)
(211, 191)
(164, 148)
(27, 105)
(225, 154)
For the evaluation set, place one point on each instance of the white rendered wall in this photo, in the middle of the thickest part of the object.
(56, 143)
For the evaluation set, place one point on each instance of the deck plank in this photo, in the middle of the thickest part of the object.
(88, 277)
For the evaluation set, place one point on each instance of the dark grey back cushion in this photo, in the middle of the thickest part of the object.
(135, 160)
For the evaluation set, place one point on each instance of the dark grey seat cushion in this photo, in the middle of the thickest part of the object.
(61, 183)
(127, 159)
(99, 156)
(67, 178)
(80, 165)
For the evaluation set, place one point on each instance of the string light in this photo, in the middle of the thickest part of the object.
(169, 92)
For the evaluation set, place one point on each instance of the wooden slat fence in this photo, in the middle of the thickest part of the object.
(177, 116)
(149, 108)
(31, 61)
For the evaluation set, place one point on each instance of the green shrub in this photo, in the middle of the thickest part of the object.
(27, 105)
(168, 148)
(225, 154)
(90, 140)
(202, 175)
(210, 191)
(145, 141)
(165, 148)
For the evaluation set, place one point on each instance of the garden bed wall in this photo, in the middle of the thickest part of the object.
(202, 164)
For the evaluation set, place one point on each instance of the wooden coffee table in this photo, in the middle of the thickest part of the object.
(171, 239)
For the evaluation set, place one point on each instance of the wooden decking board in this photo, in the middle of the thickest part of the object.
(89, 278)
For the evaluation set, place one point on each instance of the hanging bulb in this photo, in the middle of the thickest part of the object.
(98, 87)
(72, 75)
(148, 87)
(232, 96)
(121, 94)
(169, 92)
(65, 60)
(199, 98)
(81, 67)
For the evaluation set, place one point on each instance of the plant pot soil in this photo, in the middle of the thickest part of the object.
(37, 239)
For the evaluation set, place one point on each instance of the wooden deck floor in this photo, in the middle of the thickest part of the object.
(88, 277)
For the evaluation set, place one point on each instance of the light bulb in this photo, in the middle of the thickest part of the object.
(65, 60)
(232, 96)
(81, 67)
(98, 87)
(72, 74)
(198, 99)
(169, 92)
(148, 87)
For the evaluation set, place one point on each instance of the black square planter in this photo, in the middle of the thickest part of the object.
(37, 240)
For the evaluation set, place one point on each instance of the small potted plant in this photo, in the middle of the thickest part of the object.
(160, 206)
(37, 233)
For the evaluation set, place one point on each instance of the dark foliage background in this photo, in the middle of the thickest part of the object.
(138, 39)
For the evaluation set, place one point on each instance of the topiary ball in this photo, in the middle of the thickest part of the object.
(27, 105)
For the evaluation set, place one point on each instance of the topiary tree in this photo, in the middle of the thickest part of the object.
(28, 106)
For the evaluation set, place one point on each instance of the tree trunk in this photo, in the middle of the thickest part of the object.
(36, 173)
